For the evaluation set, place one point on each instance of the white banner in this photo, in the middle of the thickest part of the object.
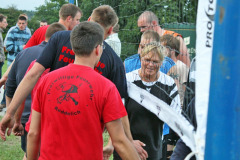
(204, 45)
(163, 111)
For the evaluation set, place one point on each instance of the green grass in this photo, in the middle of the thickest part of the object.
(11, 148)
(4, 68)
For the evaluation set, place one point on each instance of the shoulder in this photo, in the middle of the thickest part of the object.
(133, 57)
(133, 76)
(41, 29)
(172, 33)
(165, 79)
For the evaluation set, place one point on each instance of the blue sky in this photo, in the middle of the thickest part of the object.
(22, 4)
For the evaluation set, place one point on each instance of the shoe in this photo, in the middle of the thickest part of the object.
(2, 106)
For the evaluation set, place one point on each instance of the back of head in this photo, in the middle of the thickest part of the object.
(151, 35)
(105, 15)
(68, 10)
(55, 27)
(85, 37)
(2, 17)
(171, 42)
(149, 16)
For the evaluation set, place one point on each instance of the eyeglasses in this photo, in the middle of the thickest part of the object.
(147, 61)
(103, 46)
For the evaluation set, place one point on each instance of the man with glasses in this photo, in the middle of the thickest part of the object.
(149, 21)
(77, 106)
(133, 62)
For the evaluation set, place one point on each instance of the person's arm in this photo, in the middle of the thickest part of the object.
(184, 55)
(18, 129)
(137, 144)
(33, 139)
(120, 142)
(108, 150)
(23, 90)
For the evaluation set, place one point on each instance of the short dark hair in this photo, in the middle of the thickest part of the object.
(55, 27)
(105, 15)
(171, 42)
(150, 34)
(22, 18)
(43, 20)
(69, 10)
(2, 17)
(85, 37)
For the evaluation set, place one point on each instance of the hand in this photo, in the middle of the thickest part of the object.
(3, 81)
(107, 152)
(6, 122)
(18, 129)
(141, 152)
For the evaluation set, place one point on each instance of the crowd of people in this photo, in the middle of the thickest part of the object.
(66, 84)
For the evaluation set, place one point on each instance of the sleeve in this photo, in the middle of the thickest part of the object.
(5, 40)
(46, 59)
(113, 107)
(10, 45)
(28, 31)
(11, 84)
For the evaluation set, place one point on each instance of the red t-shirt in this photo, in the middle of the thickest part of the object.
(75, 101)
(27, 126)
(37, 37)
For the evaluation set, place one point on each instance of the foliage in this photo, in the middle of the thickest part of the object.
(168, 11)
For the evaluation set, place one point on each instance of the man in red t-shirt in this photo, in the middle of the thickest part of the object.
(72, 105)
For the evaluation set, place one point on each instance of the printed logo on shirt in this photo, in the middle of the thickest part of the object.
(65, 94)
(68, 91)
(66, 55)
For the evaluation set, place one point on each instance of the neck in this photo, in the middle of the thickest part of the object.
(85, 61)
(148, 78)
(61, 21)
(159, 30)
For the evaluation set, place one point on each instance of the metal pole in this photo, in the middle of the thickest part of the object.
(77, 3)
(223, 125)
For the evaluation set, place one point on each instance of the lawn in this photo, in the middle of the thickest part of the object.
(11, 148)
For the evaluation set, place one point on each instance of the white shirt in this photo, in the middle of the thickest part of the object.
(115, 43)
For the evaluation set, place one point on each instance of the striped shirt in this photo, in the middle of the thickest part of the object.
(15, 41)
